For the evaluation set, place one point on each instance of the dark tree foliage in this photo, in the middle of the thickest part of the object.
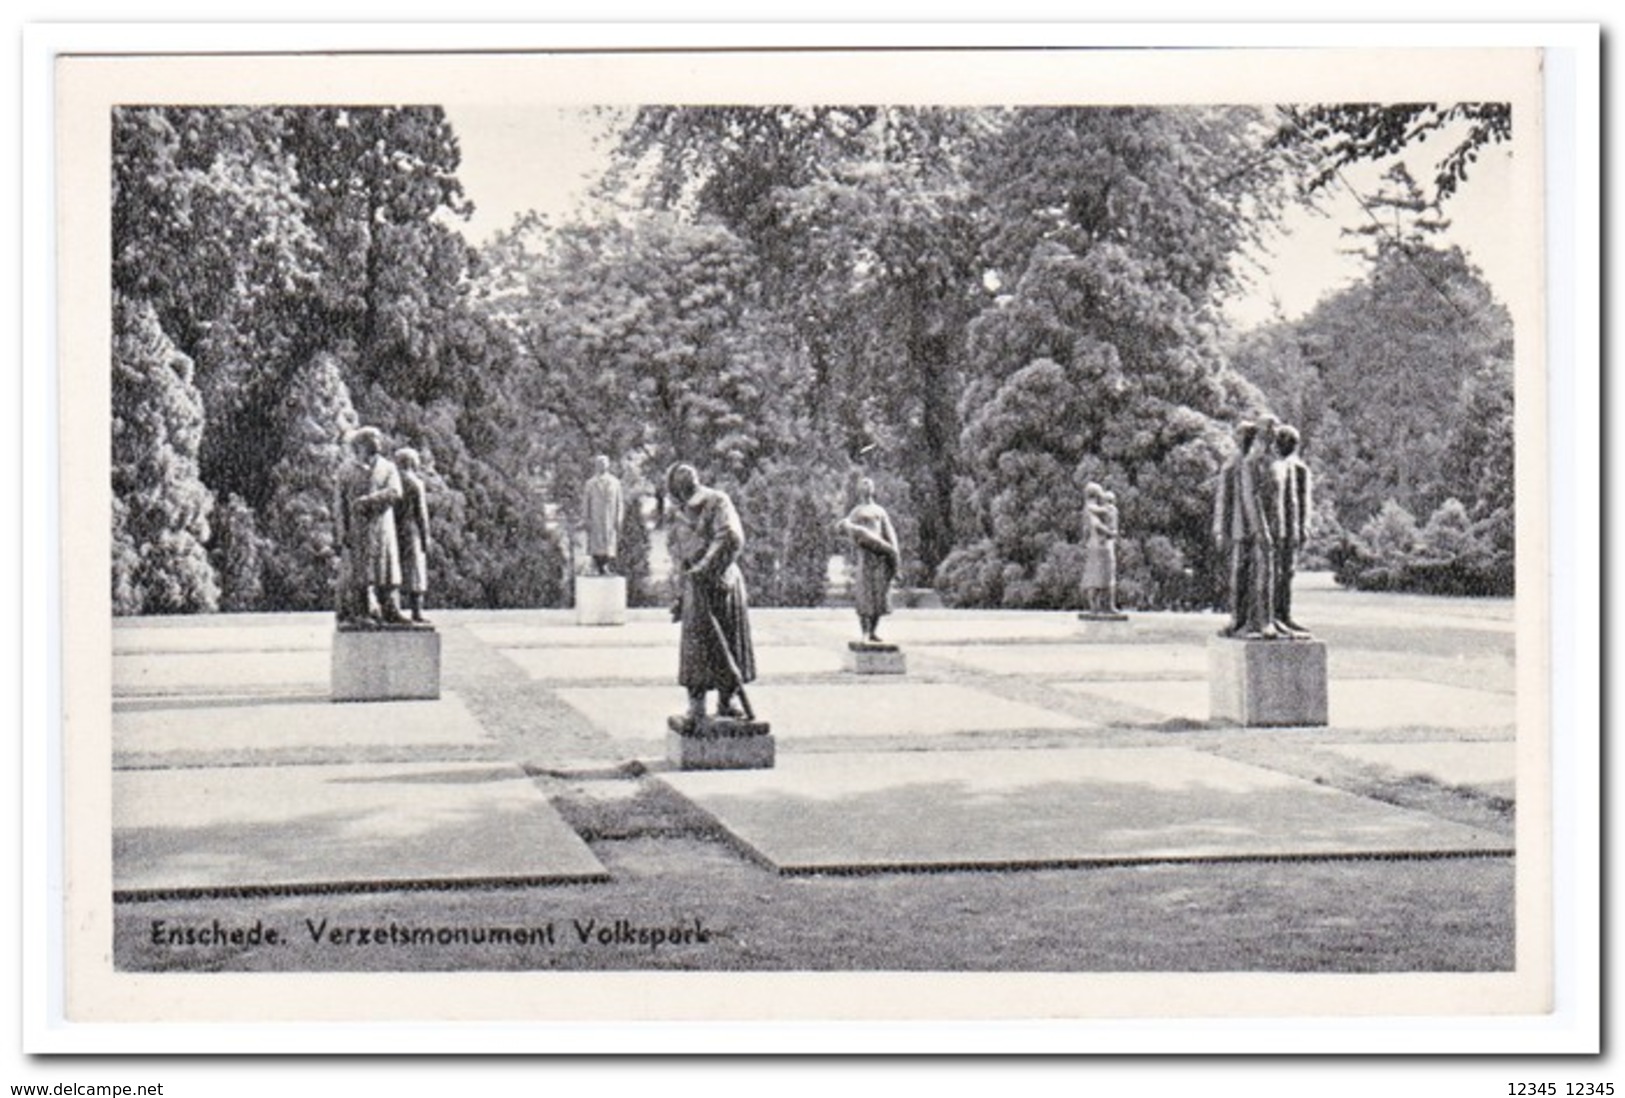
(268, 243)
(1342, 134)
(646, 341)
(300, 567)
(239, 556)
(1404, 385)
(1116, 233)
(862, 220)
(161, 522)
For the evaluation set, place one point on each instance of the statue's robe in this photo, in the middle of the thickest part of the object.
(871, 531)
(412, 525)
(364, 509)
(1230, 524)
(1296, 503)
(715, 652)
(604, 510)
(1100, 548)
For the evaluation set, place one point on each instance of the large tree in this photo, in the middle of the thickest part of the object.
(1393, 360)
(162, 506)
(317, 414)
(1410, 384)
(1116, 232)
(273, 245)
(646, 340)
(863, 221)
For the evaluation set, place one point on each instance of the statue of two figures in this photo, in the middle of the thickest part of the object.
(1100, 554)
(1260, 520)
(381, 510)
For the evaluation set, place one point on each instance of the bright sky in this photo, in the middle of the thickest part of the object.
(518, 158)
(525, 158)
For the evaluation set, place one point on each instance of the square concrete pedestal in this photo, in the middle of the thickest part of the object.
(386, 664)
(719, 743)
(1267, 683)
(600, 600)
(869, 658)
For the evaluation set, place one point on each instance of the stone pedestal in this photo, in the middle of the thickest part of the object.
(1267, 683)
(719, 743)
(386, 664)
(869, 658)
(600, 600)
(1100, 627)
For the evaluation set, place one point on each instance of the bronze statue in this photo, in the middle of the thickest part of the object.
(715, 651)
(870, 529)
(1247, 519)
(364, 508)
(604, 510)
(1295, 526)
(1230, 527)
(1100, 551)
(412, 528)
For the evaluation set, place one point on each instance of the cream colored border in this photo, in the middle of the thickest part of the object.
(88, 87)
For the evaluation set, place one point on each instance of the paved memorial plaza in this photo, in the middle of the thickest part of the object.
(1032, 794)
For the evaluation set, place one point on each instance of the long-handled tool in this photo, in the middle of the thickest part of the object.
(728, 657)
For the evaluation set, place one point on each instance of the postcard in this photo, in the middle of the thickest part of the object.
(585, 534)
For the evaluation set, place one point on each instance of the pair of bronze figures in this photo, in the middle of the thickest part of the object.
(1261, 520)
(381, 510)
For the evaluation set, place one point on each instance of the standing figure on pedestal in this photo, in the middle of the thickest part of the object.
(715, 651)
(604, 509)
(1263, 491)
(1230, 528)
(1248, 520)
(879, 556)
(1100, 551)
(1295, 524)
(412, 527)
(364, 508)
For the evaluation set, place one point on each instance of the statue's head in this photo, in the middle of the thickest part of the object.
(407, 458)
(367, 442)
(1286, 440)
(600, 464)
(866, 490)
(1246, 430)
(1093, 492)
(1266, 430)
(682, 481)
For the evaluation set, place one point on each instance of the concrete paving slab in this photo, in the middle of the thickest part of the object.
(916, 810)
(222, 638)
(1488, 766)
(855, 708)
(501, 634)
(258, 725)
(658, 665)
(305, 827)
(1390, 611)
(1166, 700)
(1143, 660)
(907, 628)
(1396, 703)
(149, 673)
(1355, 703)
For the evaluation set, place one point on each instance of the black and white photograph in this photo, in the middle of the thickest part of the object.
(833, 535)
